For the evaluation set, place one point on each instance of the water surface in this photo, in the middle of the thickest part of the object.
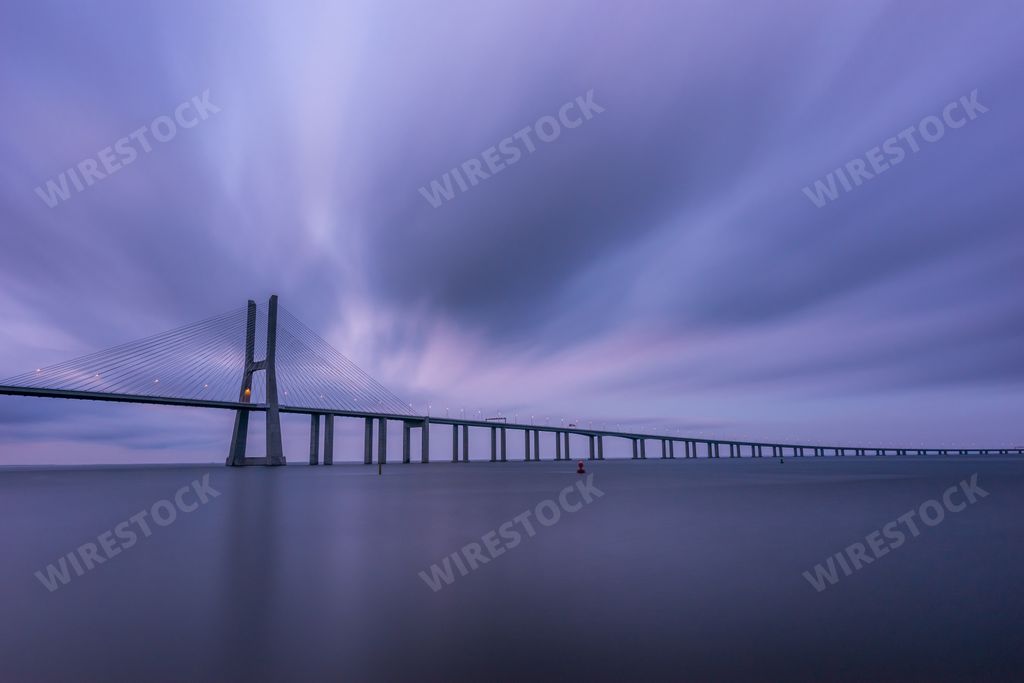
(683, 570)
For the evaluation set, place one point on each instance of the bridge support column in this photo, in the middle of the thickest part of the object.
(455, 443)
(465, 443)
(504, 450)
(671, 449)
(239, 436)
(635, 452)
(275, 452)
(314, 439)
(405, 442)
(368, 441)
(494, 444)
(664, 450)
(382, 441)
(526, 445)
(536, 445)
(567, 454)
(425, 441)
(600, 448)
(591, 455)
(328, 439)
(643, 449)
(558, 445)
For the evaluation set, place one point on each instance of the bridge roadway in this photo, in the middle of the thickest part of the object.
(711, 447)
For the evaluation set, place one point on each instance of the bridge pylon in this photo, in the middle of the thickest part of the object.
(275, 453)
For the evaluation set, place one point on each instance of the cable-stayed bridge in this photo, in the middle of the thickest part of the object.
(262, 358)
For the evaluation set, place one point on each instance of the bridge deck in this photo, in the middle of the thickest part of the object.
(303, 410)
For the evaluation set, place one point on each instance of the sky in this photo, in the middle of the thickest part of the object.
(657, 266)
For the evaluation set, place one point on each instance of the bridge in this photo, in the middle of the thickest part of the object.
(213, 364)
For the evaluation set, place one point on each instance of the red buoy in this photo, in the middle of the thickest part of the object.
(579, 468)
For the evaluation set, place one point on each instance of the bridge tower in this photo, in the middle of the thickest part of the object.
(275, 454)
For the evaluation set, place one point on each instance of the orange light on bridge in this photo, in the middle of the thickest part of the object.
(247, 392)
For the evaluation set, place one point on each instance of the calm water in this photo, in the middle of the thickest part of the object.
(684, 570)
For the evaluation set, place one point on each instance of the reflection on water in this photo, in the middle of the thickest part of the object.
(685, 570)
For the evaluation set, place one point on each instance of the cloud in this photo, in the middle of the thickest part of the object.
(658, 264)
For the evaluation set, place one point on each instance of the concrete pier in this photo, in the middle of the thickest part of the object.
(536, 445)
(314, 439)
(328, 439)
(382, 441)
(405, 442)
(425, 441)
(600, 447)
(455, 443)
(368, 441)
(526, 445)
(567, 454)
(636, 453)
(494, 444)
(592, 454)
(558, 446)
(504, 447)
(465, 443)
